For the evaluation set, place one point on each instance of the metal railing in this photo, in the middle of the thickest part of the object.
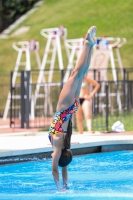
(112, 99)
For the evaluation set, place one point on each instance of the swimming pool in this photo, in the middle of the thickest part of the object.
(101, 176)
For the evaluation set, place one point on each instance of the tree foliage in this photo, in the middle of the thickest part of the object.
(9, 8)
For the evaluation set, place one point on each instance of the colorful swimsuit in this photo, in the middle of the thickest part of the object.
(60, 118)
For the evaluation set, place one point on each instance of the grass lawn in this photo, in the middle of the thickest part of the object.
(124, 118)
(112, 18)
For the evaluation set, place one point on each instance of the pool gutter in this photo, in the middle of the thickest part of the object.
(80, 145)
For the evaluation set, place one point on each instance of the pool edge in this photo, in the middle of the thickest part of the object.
(77, 149)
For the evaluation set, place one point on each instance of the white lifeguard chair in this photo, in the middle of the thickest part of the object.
(102, 54)
(53, 48)
(100, 58)
(23, 48)
(74, 47)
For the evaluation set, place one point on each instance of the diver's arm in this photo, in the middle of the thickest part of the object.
(64, 177)
(55, 159)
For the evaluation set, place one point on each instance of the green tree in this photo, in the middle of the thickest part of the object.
(11, 7)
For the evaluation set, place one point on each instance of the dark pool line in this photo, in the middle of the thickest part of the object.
(76, 151)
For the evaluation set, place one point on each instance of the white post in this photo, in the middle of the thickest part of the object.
(22, 47)
(53, 46)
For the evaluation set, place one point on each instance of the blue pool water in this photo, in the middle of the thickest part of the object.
(103, 176)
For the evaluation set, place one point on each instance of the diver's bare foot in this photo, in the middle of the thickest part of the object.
(91, 36)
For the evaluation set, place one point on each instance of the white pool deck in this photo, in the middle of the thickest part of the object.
(14, 144)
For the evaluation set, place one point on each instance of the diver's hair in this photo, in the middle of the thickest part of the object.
(67, 139)
(66, 157)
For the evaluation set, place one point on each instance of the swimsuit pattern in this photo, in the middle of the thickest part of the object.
(60, 118)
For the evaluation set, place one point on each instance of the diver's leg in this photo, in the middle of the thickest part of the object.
(72, 87)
